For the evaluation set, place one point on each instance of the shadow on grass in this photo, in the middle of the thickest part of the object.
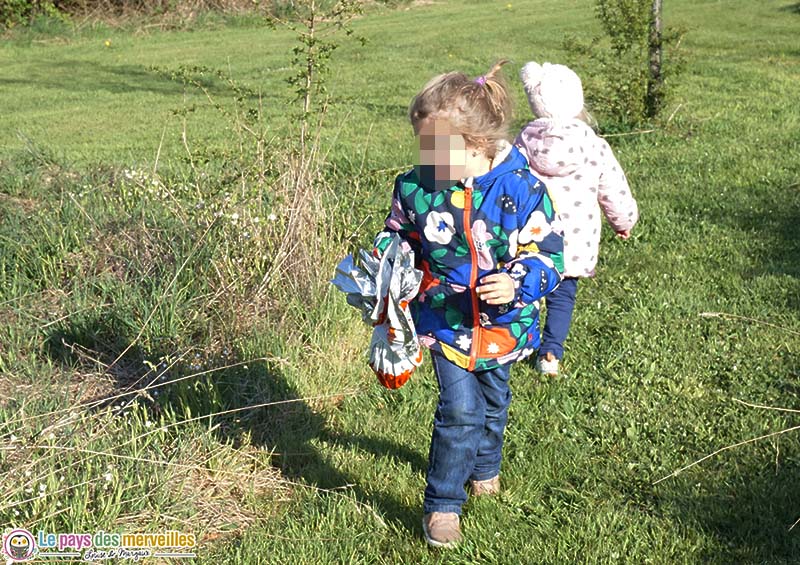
(90, 76)
(282, 422)
(749, 514)
(91, 346)
(794, 8)
(292, 428)
(770, 232)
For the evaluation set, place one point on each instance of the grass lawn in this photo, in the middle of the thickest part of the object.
(110, 280)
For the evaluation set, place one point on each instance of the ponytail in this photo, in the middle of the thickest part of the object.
(480, 109)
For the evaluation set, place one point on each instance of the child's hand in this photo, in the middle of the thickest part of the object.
(496, 289)
(624, 234)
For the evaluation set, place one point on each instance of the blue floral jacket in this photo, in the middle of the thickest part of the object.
(503, 221)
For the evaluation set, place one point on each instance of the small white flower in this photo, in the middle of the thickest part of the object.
(108, 477)
(42, 487)
(51, 436)
(13, 438)
(256, 220)
(234, 216)
(439, 227)
(27, 472)
(148, 424)
(16, 512)
(464, 342)
(29, 490)
(493, 348)
(272, 217)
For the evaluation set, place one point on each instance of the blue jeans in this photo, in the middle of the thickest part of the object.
(560, 304)
(467, 432)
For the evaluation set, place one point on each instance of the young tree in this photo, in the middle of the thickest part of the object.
(655, 83)
(626, 70)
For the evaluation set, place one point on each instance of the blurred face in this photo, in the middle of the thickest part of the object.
(441, 154)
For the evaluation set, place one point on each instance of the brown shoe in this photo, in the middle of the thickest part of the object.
(441, 529)
(486, 487)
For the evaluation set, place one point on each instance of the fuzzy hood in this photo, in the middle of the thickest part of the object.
(555, 148)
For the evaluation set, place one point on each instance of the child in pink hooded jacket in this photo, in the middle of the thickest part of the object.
(583, 177)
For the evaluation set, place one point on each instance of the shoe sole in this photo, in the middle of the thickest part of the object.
(433, 543)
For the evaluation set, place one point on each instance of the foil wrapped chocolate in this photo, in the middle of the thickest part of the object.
(382, 289)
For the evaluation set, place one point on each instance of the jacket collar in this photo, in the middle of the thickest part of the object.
(506, 160)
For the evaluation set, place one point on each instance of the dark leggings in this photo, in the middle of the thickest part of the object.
(560, 304)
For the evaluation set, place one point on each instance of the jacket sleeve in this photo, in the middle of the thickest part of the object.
(539, 258)
(398, 222)
(613, 193)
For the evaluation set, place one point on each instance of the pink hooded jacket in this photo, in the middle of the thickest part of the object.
(583, 177)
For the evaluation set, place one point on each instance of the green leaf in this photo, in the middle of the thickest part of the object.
(453, 317)
(477, 199)
(548, 205)
(461, 251)
(438, 253)
(407, 188)
(438, 199)
(558, 261)
(421, 203)
(516, 329)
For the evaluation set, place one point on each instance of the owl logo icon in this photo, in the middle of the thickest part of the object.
(19, 545)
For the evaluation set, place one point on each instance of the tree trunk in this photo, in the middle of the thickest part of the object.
(655, 81)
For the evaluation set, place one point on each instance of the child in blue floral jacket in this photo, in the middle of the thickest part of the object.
(486, 237)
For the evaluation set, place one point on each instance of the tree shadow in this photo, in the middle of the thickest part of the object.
(90, 76)
(750, 514)
(773, 227)
(794, 8)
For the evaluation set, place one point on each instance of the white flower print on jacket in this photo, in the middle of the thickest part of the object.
(535, 230)
(440, 227)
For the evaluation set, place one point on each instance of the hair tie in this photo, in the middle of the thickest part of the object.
(481, 80)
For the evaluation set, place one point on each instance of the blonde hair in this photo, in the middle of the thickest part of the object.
(479, 109)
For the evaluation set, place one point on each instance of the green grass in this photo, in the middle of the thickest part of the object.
(332, 469)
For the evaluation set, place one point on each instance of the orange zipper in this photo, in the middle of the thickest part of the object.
(473, 277)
